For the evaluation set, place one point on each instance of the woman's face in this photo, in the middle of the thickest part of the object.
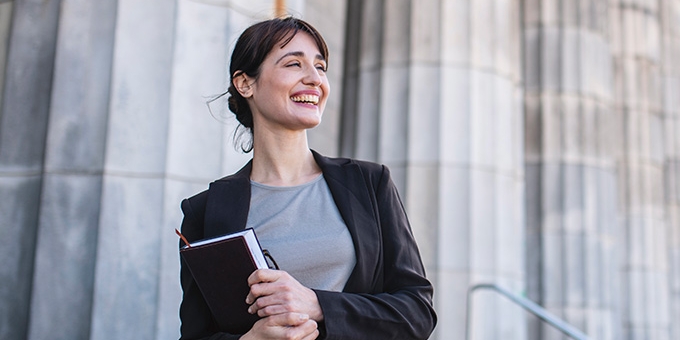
(292, 88)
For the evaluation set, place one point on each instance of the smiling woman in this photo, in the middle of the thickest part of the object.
(350, 267)
(289, 93)
(253, 46)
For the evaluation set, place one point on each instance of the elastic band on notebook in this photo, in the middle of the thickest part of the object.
(267, 254)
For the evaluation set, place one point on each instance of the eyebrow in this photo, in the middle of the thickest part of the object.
(299, 54)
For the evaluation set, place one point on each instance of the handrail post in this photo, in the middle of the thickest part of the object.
(528, 305)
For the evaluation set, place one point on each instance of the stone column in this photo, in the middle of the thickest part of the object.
(638, 107)
(376, 93)
(669, 11)
(433, 90)
(72, 178)
(329, 18)
(361, 92)
(572, 224)
(127, 276)
(163, 145)
(5, 24)
(197, 141)
(476, 152)
(23, 126)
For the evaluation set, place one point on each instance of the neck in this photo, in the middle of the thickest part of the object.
(283, 161)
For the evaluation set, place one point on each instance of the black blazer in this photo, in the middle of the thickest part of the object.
(387, 295)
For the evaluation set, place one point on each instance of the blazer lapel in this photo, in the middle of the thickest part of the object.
(228, 204)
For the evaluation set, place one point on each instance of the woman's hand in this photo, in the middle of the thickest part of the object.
(275, 292)
(293, 326)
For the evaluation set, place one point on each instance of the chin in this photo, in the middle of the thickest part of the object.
(312, 124)
(311, 121)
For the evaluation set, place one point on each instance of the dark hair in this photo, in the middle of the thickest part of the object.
(252, 47)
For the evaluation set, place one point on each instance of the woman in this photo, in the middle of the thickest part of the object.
(350, 266)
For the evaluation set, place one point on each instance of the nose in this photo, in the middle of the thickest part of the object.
(312, 77)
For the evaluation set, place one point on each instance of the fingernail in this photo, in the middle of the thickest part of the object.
(304, 316)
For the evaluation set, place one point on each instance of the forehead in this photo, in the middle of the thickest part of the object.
(300, 42)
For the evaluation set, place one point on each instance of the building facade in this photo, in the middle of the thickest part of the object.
(535, 144)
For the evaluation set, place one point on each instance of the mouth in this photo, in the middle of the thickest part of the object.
(306, 99)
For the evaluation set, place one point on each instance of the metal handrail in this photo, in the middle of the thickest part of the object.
(527, 304)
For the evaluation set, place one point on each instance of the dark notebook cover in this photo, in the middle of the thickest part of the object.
(221, 270)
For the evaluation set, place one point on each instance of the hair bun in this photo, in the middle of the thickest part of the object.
(239, 106)
(233, 103)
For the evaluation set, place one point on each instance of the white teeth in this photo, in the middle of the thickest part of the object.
(306, 98)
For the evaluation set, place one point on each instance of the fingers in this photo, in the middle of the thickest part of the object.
(264, 275)
(272, 300)
(285, 326)
(312, 336)
(288, 320)
(269, 305)
(275, 292)
(261, 276)
(300, 326)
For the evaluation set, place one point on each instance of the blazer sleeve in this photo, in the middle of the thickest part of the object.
(195, 316)
(402, 307)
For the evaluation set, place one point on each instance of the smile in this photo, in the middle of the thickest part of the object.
(306, 98)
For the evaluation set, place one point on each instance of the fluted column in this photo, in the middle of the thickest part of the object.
(24, 115)
(376, 92)
(162, 145)
(199, 146)
(329, 18)
(72, 178)
(669, 11)
(5, 24)
(130, 221)
(475, 145)
(638, 106)
(435, 93)
(572, 224)
(362, 96)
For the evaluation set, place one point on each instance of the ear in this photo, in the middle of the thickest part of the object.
(242, 82)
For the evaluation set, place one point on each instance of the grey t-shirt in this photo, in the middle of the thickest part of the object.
(303, 230)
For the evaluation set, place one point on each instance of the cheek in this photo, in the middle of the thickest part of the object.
(326, 87)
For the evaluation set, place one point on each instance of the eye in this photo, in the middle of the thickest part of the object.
(293, 64)
(321, 67)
